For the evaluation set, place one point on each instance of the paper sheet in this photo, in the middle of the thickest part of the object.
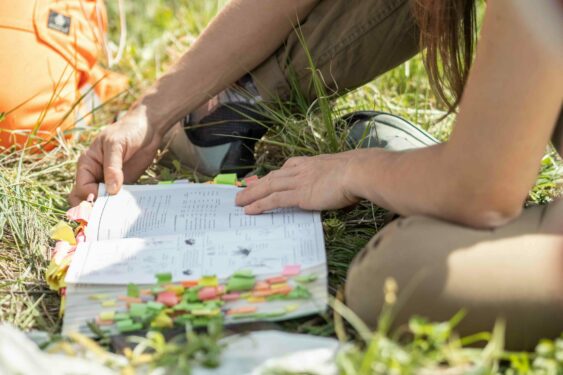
(264, 250)
(149, 210)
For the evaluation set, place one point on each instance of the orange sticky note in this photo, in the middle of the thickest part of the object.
(242, 310)
(262, 285)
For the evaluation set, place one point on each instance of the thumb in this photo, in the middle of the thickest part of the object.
(113, 167)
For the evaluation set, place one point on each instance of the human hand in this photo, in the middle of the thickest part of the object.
(310, 183)
(120, 153)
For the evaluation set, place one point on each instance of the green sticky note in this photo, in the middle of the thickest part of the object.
(133, 290)
(163, 278)
(299, 292)
(191, 295)
(304, 279)
(244, 273)
(121, 316)
(213, 304)
(272, 314)
(245, 316)
(123, 323)
(124, 328)
(240, 284)
(165, 182)
(138, 310)
(155, 306)
(276, 297)
(226, 179)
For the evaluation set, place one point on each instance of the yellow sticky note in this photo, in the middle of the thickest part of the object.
(291, 308)
(63, 232)
(109, 303)
(209, 281)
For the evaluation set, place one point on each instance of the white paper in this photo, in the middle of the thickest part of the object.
(149, 210)
(263, 250)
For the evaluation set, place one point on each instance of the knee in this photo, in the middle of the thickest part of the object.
(395, 265)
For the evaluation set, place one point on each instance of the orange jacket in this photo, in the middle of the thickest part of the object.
(48, 51)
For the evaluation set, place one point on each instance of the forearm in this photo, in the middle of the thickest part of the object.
(244, 34)
(407, 183)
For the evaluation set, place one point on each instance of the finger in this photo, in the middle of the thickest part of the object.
(266, 186)
(137, 165)
(288, 198)
(113, 166)
(294, 161)
(88, 174)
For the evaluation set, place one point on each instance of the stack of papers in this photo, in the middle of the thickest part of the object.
(189, 231)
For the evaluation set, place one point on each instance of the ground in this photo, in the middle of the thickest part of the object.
(34, 187)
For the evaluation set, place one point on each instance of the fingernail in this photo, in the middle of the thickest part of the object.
(112, 187)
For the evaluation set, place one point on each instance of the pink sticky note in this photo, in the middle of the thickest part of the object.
(206, 293)
(231, 297)
(291, 270)
(80, 213)
(61, 250)
(250, 180)
(168, 298)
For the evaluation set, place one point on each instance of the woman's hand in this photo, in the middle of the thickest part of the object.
(121, 152)
(310, 183)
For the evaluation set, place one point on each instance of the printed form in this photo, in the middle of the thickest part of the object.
(190, 230)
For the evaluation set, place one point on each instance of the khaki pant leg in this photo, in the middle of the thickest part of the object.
(350, 42)
(515, 272)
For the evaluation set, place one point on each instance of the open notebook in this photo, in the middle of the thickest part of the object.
(190, 231)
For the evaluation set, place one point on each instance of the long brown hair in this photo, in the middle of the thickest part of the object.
(448, 31)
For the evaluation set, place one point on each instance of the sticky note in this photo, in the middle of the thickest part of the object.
(253, 299)
(189, 283)
(291, 307)
(262, 293)
(101, 322)
(98, 297)
(127, 299)
(162, 321)
(230, 297)
(109, 303)
(291, 270)
(125, 326)
(207, 293)
(244, 273)
(262, 285)
(63, 232)
(242, 310)
(305, 279)
(163, 278)
(209, 281)
(168, 298)
(272, 314)
(249, 180)
(276, 280)
(138, 310)
(175, 288)
(239, 284)
(206, 312)
(80, 213)
(107, 315)
(153, 305)
(283, 289)
(226, 179)
(121, 316)
(300, 292)
(133, 290)
(279, 286)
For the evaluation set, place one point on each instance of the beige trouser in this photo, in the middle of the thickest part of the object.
(514, 272)
(350, 43)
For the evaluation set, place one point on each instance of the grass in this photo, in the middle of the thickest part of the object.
(34, 186)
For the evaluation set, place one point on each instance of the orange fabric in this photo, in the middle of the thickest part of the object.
(44, 67)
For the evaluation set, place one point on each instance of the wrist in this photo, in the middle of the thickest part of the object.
(352, 175)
